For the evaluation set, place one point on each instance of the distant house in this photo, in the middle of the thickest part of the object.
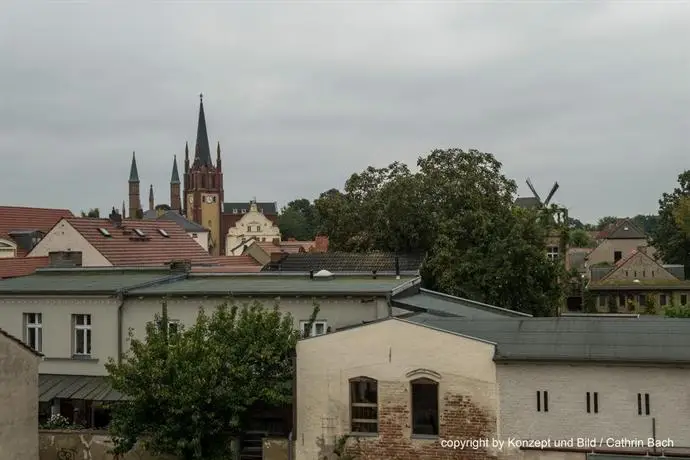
(636, 279)
(276, 250)
(18, 398)
(250, 222)
(618, 242)
(21, 228)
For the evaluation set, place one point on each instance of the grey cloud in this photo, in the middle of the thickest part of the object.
(301, 95)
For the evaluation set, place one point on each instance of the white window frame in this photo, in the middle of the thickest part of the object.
(552, 254)
(33, 322)
(82, 329)
(174, 322)
(318, 324)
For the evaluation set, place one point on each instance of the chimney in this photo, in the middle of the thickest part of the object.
(115, 218)
(181, 266)
(276, 241)
(397, 267)
(311, 274)
(373, 274)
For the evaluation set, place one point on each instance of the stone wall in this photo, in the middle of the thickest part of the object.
(83, 445)
(276, 449)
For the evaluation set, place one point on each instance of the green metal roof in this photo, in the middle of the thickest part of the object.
(81, 281)
(89, 387)
(648, 339)
(448, 305)
(272, 284)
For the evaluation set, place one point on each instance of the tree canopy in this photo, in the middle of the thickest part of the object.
(190, 389)
(93, 212)
(672, 234)
(457, 209)
(299, 220)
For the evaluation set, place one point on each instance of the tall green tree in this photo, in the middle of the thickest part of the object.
(579, 238)
(93, 212)
(605, 222)
(191, 389)
(671, 237)
(299, 220)
(458, 209)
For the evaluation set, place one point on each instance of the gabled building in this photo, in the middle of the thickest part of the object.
(21, 228)
(197, 232)
(112, 242)
(618, 242)
(636, 280)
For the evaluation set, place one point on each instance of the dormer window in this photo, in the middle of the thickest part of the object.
(163, 233)
(234, 210)
(139, 232)
(105, 232)
(244, 211)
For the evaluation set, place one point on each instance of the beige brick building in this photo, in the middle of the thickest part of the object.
(18, 399)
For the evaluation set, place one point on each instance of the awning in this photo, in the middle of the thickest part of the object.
(89, 387)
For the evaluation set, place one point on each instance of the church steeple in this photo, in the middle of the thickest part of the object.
(151, 201)
(134, 198)
(133, 173)
(175, 203)
(203, 149)
(175, 177)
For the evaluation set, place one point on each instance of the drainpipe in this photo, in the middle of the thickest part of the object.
(120, 305)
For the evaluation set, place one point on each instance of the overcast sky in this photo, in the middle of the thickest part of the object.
(594, 95)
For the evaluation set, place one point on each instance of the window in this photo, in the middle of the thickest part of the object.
(317, 328)
(82, 334)
(364, 405)
(652, 273)
(173, 326)
(617, 255)
(683, 299)
(194, 235)
(627, 273)
(642, 405)
(552, 252)
(163, 233)
(663, 299)
(644, 273)
(139, 232)
(424, 407)
(104, 232)
(33, 330)
(592, 403)
(602, 300)
(635, 273)
(642, 300)
(542, 401)
(234, 210)
(258, 228)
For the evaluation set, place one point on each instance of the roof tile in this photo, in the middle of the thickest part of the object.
(125, 248)
(21, 266)
(25, 218)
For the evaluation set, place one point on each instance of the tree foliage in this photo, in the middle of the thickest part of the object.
(299, 220)
(671, 237)
(93, 212)
(458, 210)
(579, 238)
(191, 389)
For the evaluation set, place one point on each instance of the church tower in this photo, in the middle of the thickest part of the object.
(203, 186)
(134, 197)
(175, 188)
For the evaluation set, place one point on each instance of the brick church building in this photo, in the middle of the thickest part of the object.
(201, 199)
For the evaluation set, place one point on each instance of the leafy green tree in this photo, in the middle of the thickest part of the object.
(650, 305)
(647, 223)
(93, 212)
(605, 222)
(579, 238)
(458, 210)
(299, 220)
(190, 389)
(671, 237)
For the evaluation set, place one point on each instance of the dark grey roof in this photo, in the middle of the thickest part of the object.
(676, 270)
(183, 222)
(347, 262)
(626, 229)
(150, 214)
(652, 340)
(202, 155)
(276, 284)
(133, 173)
(237, 207)
(89, 387)
(175, 176)
(527, 202)
(444, 304)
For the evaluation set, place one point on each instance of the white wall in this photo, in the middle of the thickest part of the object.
(252, 224)
(58, 333)
(201, 238)
(617, 387)
(64, 237)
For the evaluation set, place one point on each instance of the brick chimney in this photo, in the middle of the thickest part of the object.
(115, 218)
(321, 243)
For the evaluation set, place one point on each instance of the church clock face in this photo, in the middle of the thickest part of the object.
(191, 199)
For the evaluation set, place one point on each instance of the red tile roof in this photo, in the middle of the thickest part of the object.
(21, 266)
(25, 218)
(125, 248)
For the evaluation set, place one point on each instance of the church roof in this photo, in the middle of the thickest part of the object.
(237, 207)
(175, 177)
(133, 173)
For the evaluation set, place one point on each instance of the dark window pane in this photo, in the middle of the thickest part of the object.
(364, 413)
(425, 407)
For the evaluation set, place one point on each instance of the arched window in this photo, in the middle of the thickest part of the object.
(364, 411)
(424, 406)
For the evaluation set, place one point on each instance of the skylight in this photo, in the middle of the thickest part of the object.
(104, 232)
(163, 232)
(139, 232)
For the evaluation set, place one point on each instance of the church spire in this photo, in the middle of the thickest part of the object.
(175, 177)
(203, 150)
(133, 173)
(151, 202)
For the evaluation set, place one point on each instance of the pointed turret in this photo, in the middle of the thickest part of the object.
(133, 173)
(203, 150)
(218, 162)
(175, 177)
(123, 209)
(151, 202)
